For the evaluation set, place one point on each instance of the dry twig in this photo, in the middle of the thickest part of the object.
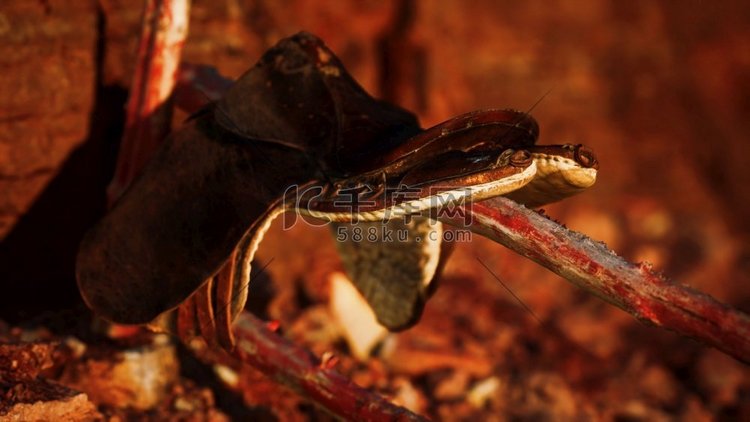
(147, 122)
(636, 289)
(297, 368)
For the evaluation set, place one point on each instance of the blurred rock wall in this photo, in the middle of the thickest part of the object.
(48, 62)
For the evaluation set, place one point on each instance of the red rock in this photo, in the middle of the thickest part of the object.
(138, 377)
(46, 93)
(41, 400)
(24, 361)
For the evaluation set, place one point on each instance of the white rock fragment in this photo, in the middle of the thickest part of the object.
(357, 321)
(227, 375)
(483, 391)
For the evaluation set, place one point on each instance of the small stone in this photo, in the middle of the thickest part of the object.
(76, 347)
(359, 326)
(183, 405)
(139, 377)
(41, 400)
(227, 375)
(483, 391)
(453, 387)
(409, 396)
(24, 360)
